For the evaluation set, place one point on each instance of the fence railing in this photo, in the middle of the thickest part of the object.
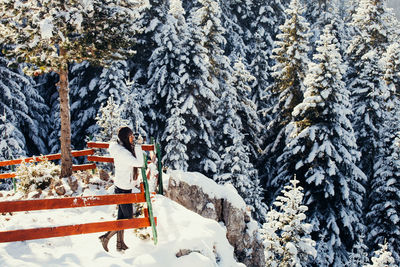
(73, 202)
(78, 153)
(76, 202)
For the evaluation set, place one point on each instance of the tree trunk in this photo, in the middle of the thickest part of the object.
(65, 139)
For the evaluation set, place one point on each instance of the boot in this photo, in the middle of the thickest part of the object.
(105, 238)
(120, 241)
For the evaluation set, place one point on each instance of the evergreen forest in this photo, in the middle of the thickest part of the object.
(249, 92)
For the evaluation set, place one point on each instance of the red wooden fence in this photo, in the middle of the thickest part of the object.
(78, 153)
(86, 152)
(145, 147)
(72, 202)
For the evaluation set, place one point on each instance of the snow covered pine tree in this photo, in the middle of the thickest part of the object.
(376, 124)
(235, 166)
(167, 80)
(291, 63)
(321, 151)
(52, 34)
(383, 258)
(286, 237)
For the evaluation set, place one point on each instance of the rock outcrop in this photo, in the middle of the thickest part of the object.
(223, 204)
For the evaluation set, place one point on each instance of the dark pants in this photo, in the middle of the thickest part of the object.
(125, 211)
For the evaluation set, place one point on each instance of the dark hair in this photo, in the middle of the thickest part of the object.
(123, 136)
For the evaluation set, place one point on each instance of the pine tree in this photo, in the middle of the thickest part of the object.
(207, 18)
(198, 103)
(14, 111)
(260, 66)
(334, 12)
(113, 81)
(175, 156)
(12, 141)
(383, 258)
(376, 108)
(316, 12)
(247, 109)
(344, 11)
(285, 235)
(291, 61)
(109, 120)
(55, 124)
(22, 104)
(167, 76)
(112, 84)
(91, 87)
(237, 17)
(23, 107)
(268, 14)
(375, 30)
(322, 152)
(11, 146)
(323, 252)
(179, 72)
(347, 8)
(85, 104)
(236, 166)
(383, 214)
(52, 34)
(132, 110)
(390, 63)
(359, 255)
(152, 21)
(47, 89)
(31, 123)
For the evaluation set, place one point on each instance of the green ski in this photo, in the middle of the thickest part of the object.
(14, 181)
(160, 182)
(148, 200)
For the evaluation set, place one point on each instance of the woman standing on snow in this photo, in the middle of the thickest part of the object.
(128, 157)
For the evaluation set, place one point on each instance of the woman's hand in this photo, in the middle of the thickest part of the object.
(138, 139)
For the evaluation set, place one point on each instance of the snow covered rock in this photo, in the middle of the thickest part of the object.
(222, 204)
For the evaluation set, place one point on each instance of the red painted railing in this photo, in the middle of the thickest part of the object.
(86, 152)
(72, 202)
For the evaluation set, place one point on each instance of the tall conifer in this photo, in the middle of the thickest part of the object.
(168, 79)
(52, 34)
(375, 115)
(321, 151)
(291, 61)
(383, 212)
(236, 166)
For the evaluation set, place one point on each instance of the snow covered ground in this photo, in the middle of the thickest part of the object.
(203, 240)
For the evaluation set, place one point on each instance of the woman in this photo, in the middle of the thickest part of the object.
(128, 157)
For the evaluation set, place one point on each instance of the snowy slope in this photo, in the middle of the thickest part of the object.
(178, 229)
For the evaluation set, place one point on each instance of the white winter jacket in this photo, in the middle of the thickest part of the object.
(124, 162)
